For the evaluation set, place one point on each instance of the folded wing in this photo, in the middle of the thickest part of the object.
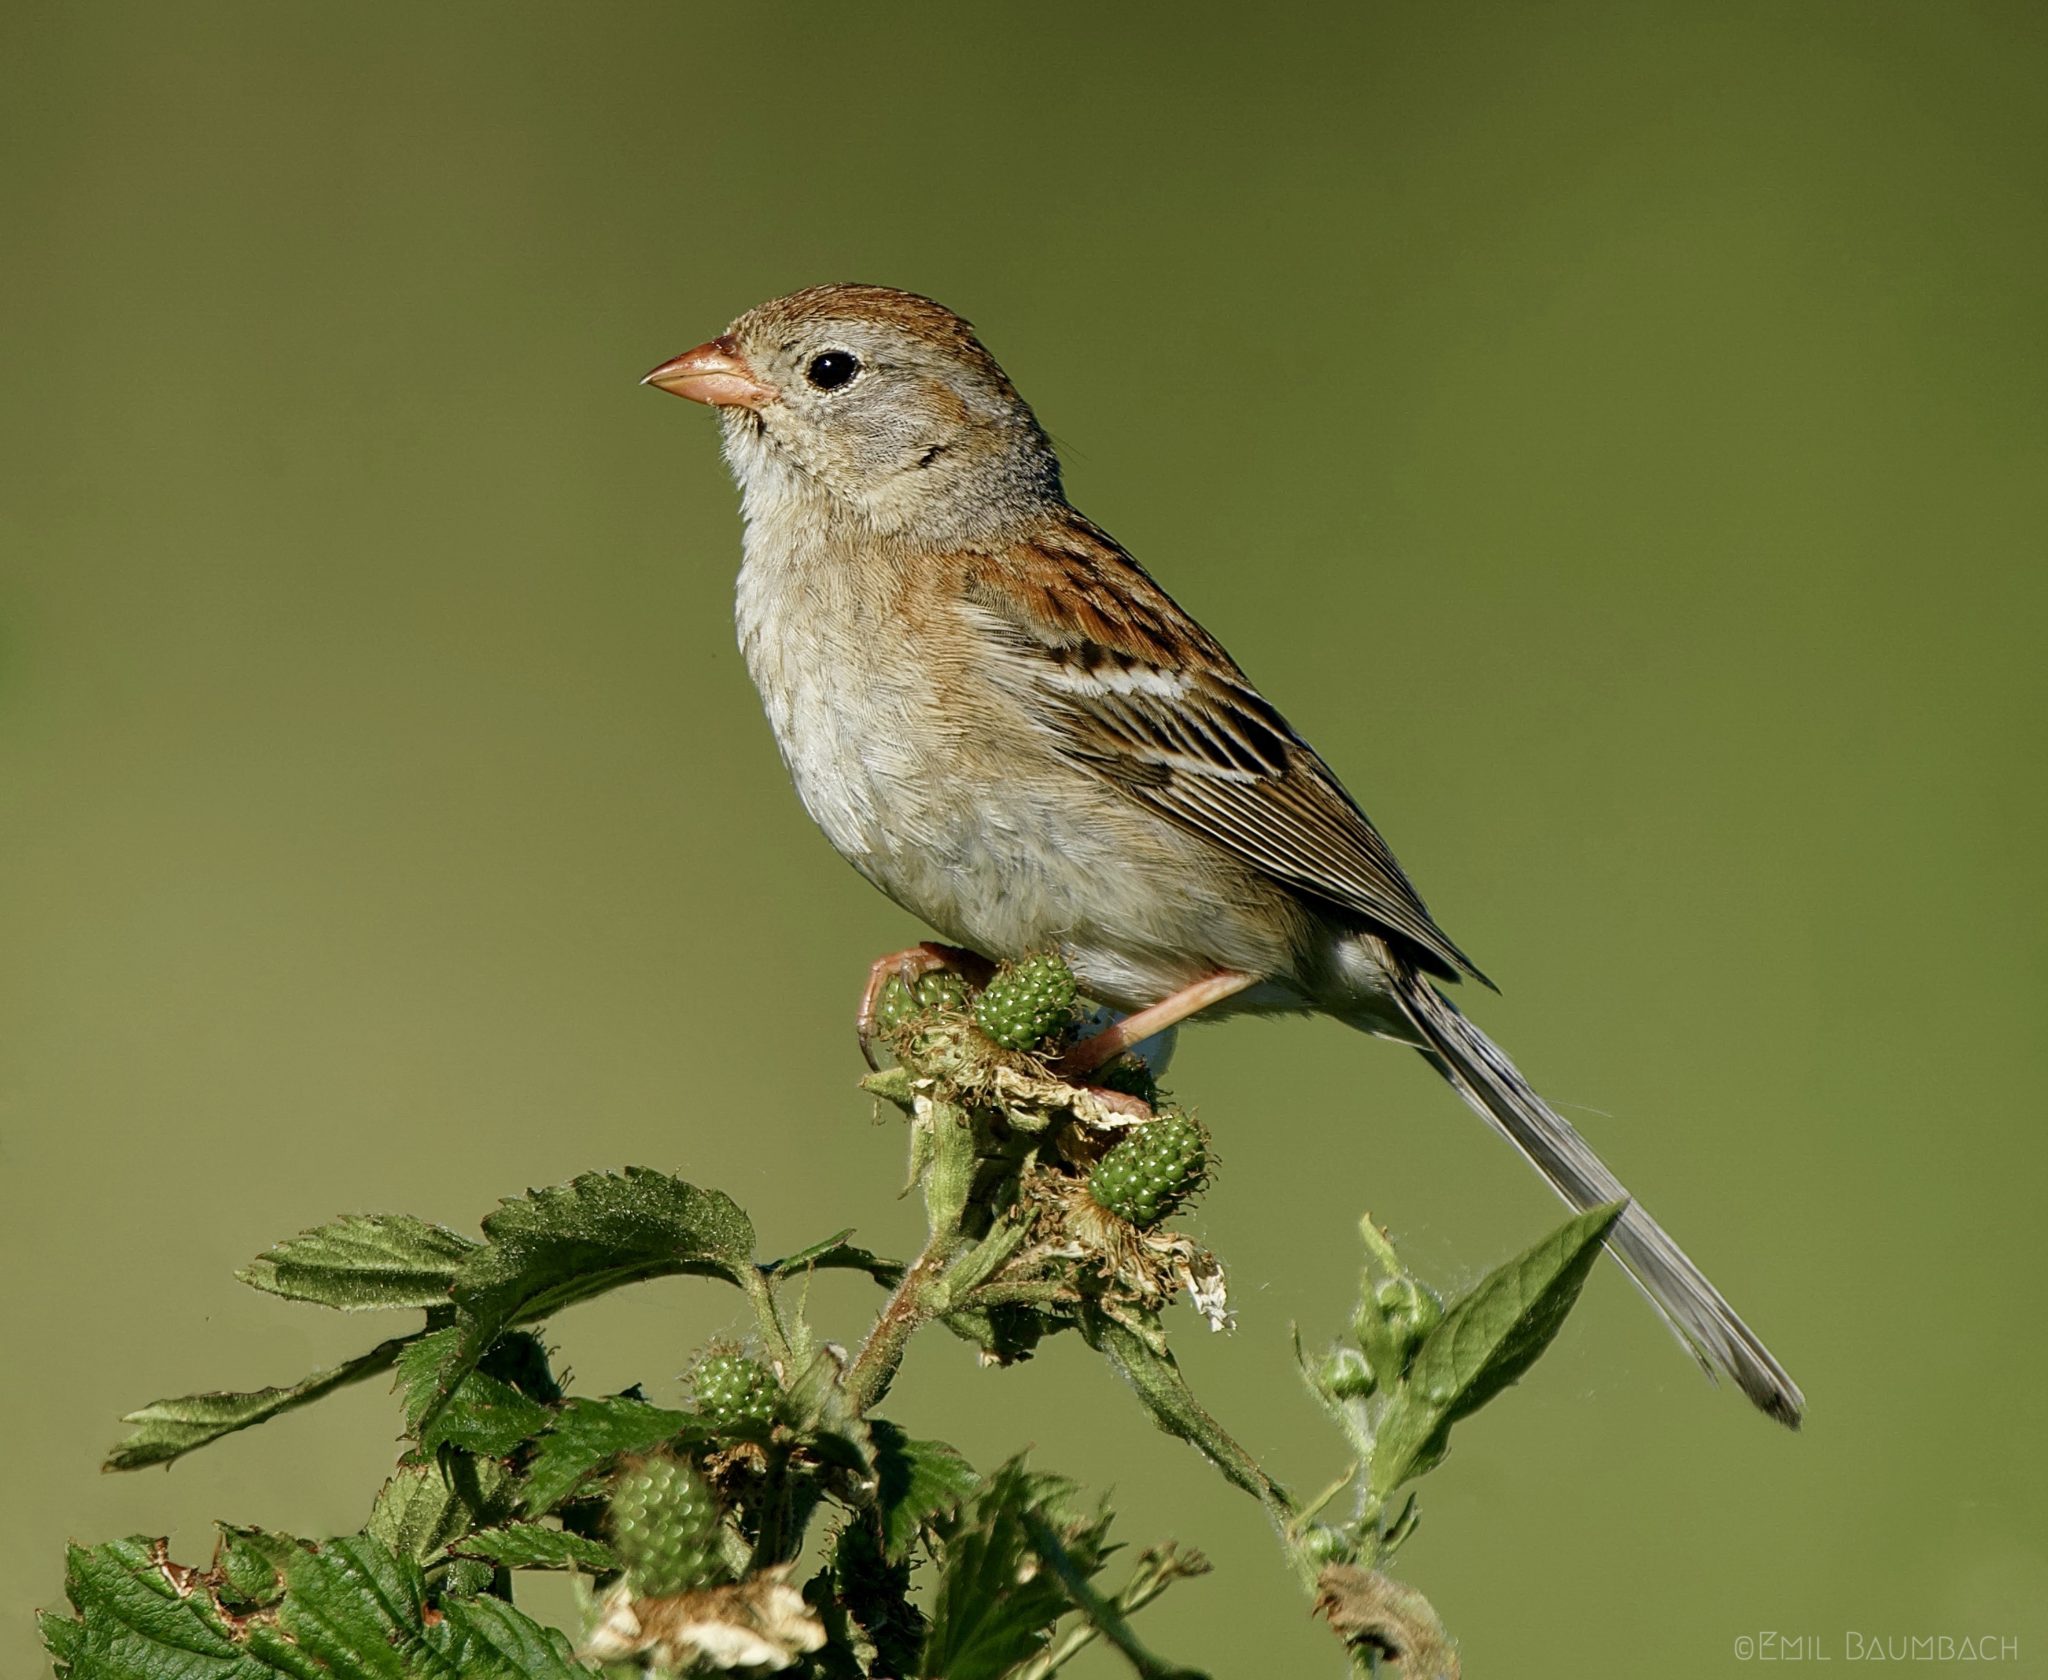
(1137, 692)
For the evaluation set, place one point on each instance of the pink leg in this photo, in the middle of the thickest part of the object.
(1091, 1053)
(909, 966)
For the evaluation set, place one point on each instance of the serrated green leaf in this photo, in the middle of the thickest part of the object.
(995, 1602)
(915, 1481)
(361, 1610)
(536, 1546)
(425, 1508)
(462, 1577)
(131, 1623)
(482, 1415)
(1487, 1340)
(487, 1417)
(1503, 1325)
(419, 1369)
(486, 1639)
(168, 1429)
(352, 1605)
(361, 1261)
(554, 1247)
(569, 1242)
(587, 1435)
(350, 1611)
(250, 1564)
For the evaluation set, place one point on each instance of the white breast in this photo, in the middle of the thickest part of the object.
(814, 688)
(882, 764)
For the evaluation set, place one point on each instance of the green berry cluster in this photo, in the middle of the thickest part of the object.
(664, 1524)
(1026, 1002)
(899, 1004)
(1152, 1171)
(733, 1390)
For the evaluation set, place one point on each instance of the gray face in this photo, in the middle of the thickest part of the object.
(907, 424)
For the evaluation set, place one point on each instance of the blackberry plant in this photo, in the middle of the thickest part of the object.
(783, 1523)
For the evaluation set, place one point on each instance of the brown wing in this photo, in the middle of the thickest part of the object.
(1139, 693)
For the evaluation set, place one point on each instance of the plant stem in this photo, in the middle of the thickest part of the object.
(1029, 1293)
(761, 1296)
(1105, 1615)
(911, 1304)
(1159, 1385)
(1156, 1572)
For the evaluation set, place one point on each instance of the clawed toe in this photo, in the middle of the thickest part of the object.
(909, 965)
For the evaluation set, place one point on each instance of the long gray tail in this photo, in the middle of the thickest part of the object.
(1691, 1305)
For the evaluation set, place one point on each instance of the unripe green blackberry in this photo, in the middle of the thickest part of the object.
(664, 1526)
(941, 990)
(733, 1390)
(893, 1005)
(1027, 1001)
(898, 1004)
(1148, 1174)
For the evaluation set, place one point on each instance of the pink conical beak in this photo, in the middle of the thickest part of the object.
(714, 373)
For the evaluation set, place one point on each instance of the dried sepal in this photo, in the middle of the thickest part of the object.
(762, 1622)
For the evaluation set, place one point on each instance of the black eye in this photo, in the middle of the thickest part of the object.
(832, 369)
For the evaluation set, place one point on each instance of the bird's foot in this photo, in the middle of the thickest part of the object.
(910, 966)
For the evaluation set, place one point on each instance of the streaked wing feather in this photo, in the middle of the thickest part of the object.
(1140, 694)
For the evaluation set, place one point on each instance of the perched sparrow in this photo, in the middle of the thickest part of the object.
(1001, 721)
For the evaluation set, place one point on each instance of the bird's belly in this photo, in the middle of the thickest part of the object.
(1037, 856)
(1007, 870)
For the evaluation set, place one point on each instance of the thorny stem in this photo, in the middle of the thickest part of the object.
(912, 1304)
(947, 1165)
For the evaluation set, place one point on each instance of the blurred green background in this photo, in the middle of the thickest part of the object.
(1615, 433)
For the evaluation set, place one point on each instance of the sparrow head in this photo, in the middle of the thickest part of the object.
(881, 403)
